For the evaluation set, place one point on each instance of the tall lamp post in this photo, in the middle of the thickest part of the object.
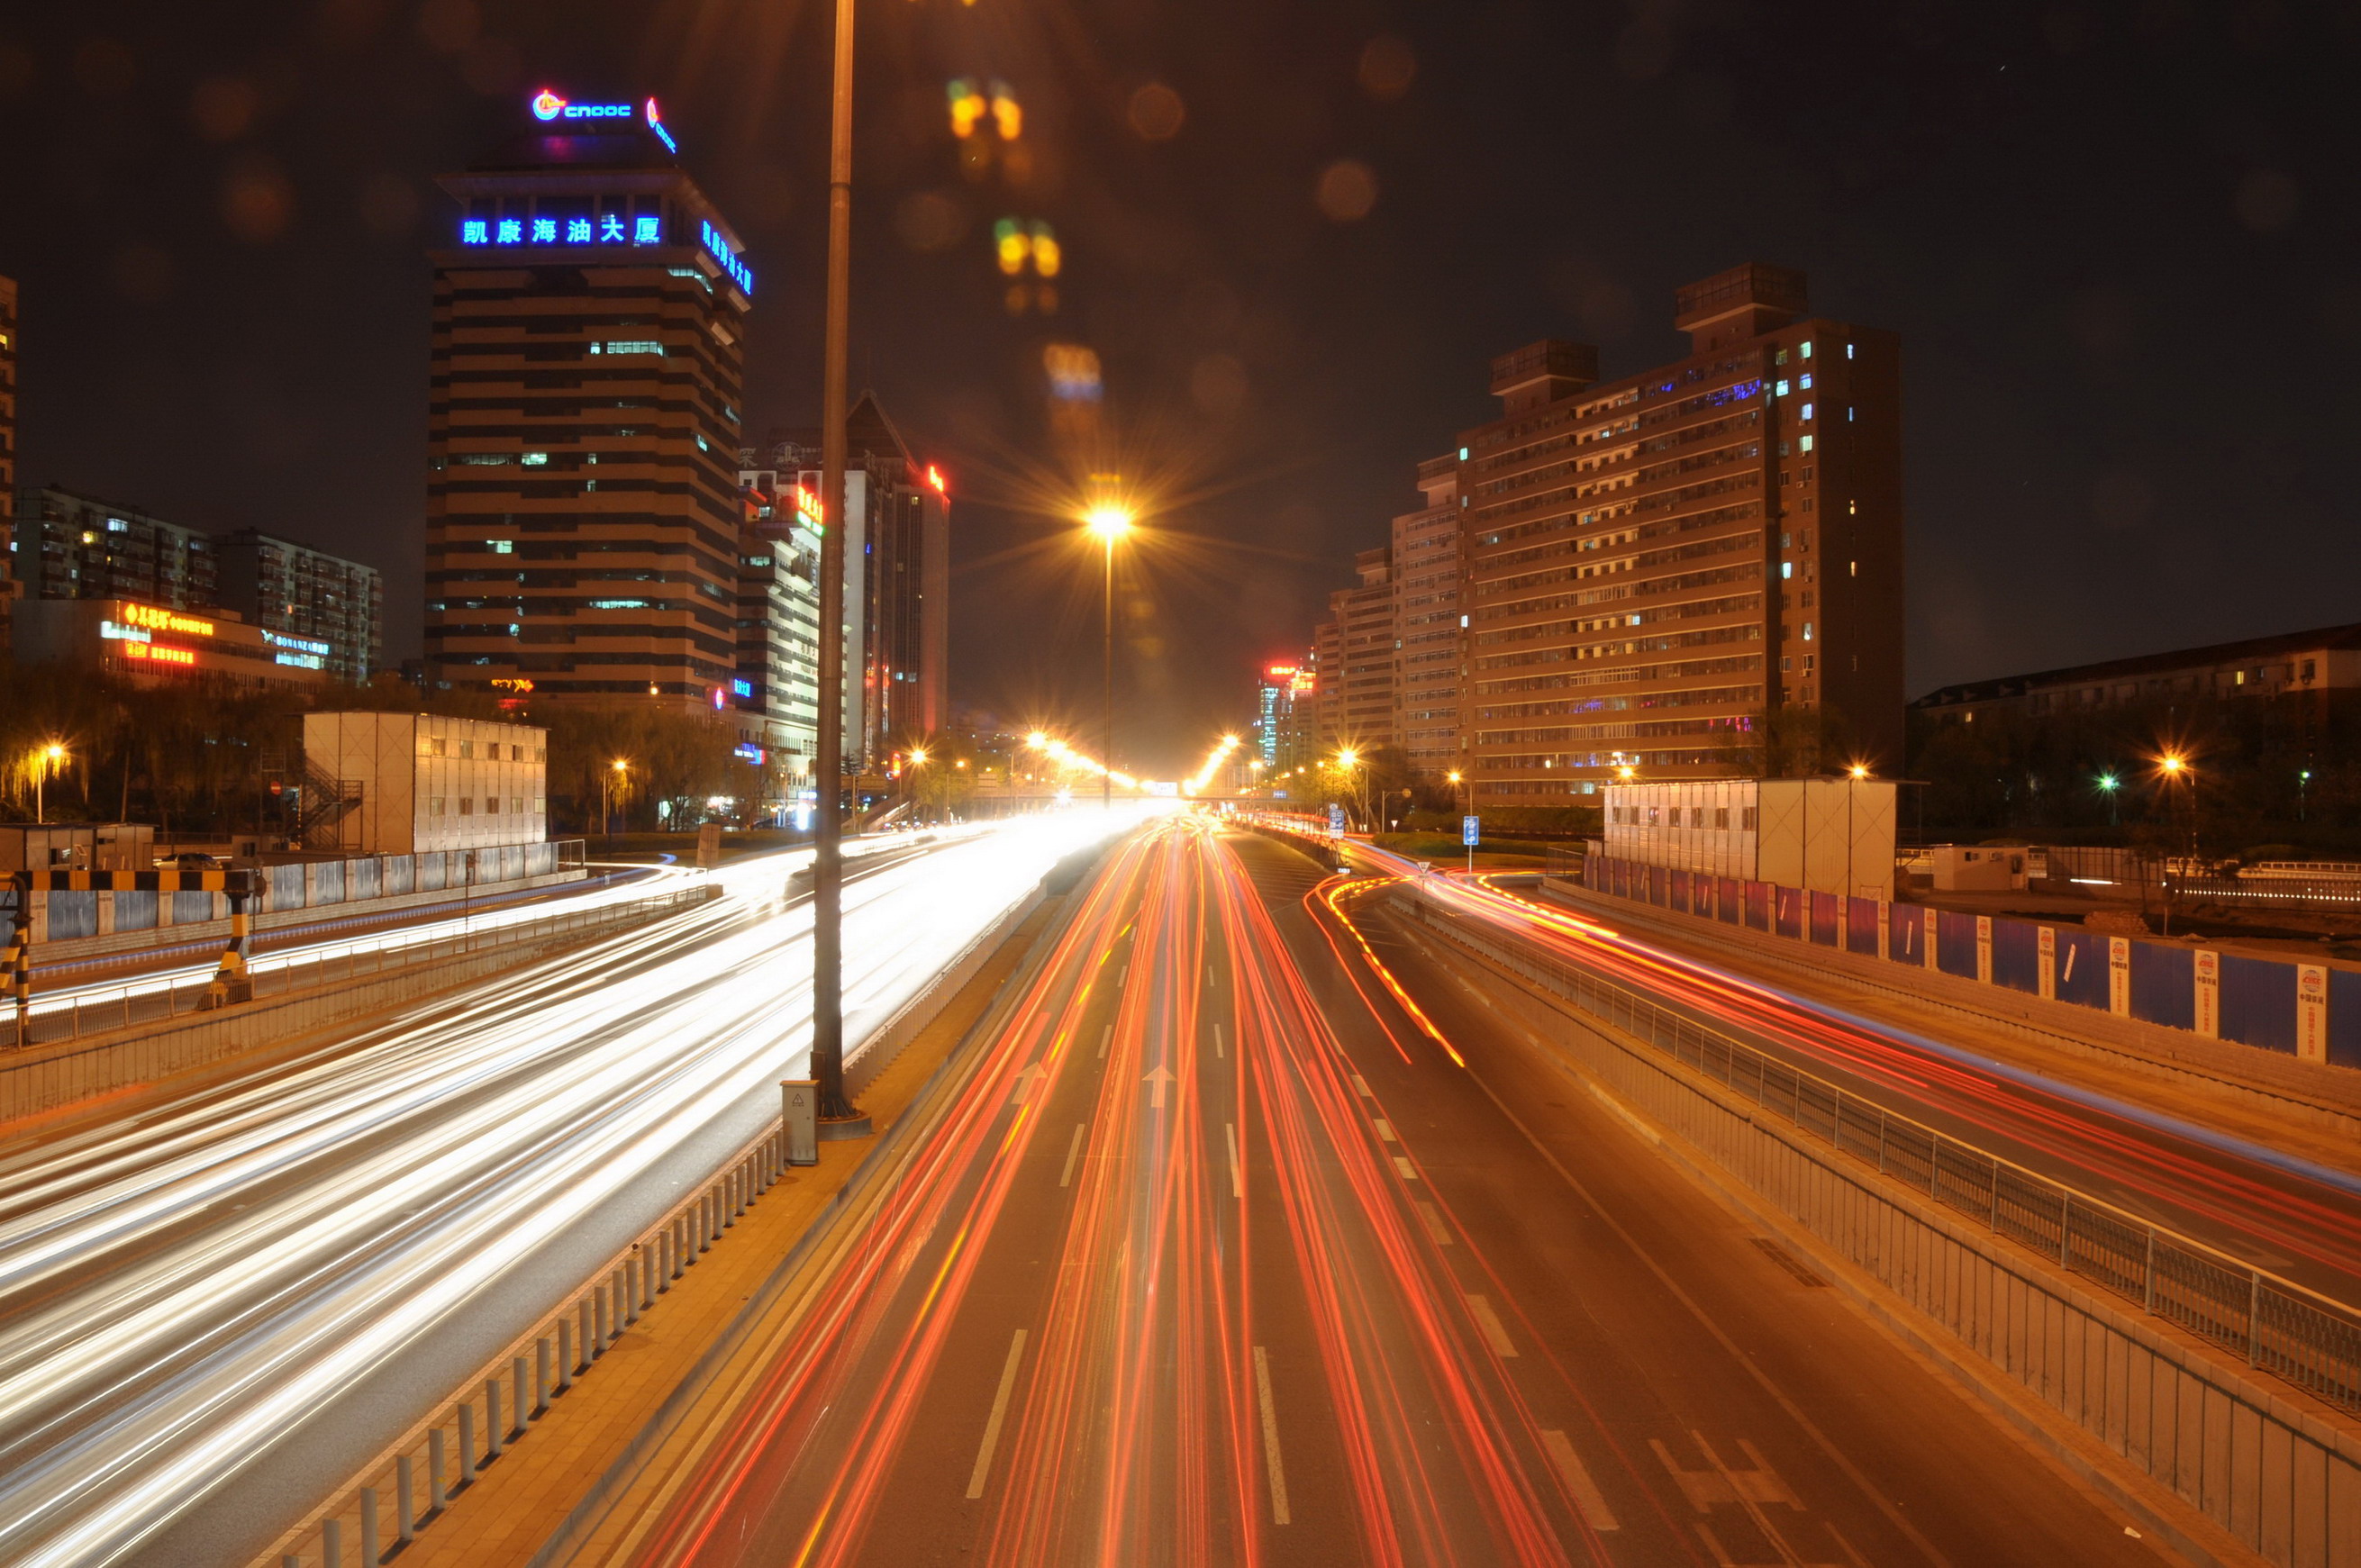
(837, 1115)
(615, 775)
(1107, 523)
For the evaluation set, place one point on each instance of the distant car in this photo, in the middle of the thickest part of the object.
(192, 860)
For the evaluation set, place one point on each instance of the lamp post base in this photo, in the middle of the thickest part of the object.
(838, 1129)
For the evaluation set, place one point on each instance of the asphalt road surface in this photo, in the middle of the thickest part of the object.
(1219, 1259)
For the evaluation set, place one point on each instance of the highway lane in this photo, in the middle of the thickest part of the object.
(210, 1313)
(2265, 1205)
(1219, 1259)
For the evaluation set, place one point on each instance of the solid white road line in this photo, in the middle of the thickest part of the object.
(1588, 1500)
(999, 1413)
(1270, 1438)
(1073, 1152)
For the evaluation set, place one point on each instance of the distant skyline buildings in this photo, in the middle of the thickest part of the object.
(1648, 573)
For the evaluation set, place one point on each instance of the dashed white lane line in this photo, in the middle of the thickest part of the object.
(1361, 1087)
(1494, 1329)
(1073, 1152)
(1588, 1498)
(1435, 1225)
(1386, 1131)
(1270, 1438)
(1237, 1188)
(1409, 1171)
(1217, 1039)
(1105, 1036)
(999, 1413)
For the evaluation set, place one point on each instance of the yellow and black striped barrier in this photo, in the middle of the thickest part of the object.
(231, 980)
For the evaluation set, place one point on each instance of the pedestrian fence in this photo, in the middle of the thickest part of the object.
(98, 1011)
(411, 1483)
(2280, 1327)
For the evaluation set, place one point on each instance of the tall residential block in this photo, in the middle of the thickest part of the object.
(582, 510)
(1357, 655)
(1426, 612)
(321, 610)
(1654, 567)
(69, 545)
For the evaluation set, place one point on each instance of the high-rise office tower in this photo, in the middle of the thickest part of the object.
(1656, 568)
(583, 517)
(777, 691)
(896, 579)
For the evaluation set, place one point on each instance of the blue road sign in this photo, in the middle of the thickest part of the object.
(1336, 820)
(1467, 830)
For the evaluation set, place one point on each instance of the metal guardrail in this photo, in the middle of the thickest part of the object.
(2309, 1339)
(129, 1005)
(412, 1483)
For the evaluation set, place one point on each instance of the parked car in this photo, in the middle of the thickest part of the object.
(192, 861)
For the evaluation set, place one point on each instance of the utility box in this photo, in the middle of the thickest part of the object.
(799, 1119)
(708, 845)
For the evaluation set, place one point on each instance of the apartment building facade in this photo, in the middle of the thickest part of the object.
(1652, 567)
(322, 609)
(1426, 550)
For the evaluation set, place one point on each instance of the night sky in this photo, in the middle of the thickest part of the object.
(2118, 242)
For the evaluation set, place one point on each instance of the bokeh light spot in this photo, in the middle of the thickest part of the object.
(1386, 67)
(1346, 191)
(1156, 112)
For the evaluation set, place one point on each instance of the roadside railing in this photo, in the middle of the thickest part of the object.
(2296, 1334)
(60, 1018)
(413, 1482)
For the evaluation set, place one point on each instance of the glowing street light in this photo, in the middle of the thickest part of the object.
(1858, 771)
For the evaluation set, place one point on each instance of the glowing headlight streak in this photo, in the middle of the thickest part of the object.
(589, 1069)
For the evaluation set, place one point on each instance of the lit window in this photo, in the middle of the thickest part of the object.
(1780, 390)
(1463, 454)
(631, 345)
(1804, 382)
(1807, 353)
(1786, 569)
(500, 546)
(535, 460)
(1804, 445)
(1848, 351)
(1807, 635)
(1808, 410)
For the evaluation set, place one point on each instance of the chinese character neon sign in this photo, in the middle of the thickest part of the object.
(719, 249)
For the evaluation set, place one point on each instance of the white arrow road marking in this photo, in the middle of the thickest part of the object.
(1156, 1081)
(1027, 1076)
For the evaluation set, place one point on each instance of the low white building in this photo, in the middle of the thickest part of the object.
(427, 783)
(1829, 835)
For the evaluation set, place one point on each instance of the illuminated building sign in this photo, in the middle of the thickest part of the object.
(113, 632)
(606, 228)
(155, 654)
(166, 621)
(548, 106)
(1282, 672)
(655, 124)
(511, 683)
(808, 506)
(743, 688)
(719, 249)
(748, 752)
(294, 645)
(934, 480)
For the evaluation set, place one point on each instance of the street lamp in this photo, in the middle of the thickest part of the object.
(910, 779)
(1349, 759)
(45, 762)
(1107, 523)
(2173, 768)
